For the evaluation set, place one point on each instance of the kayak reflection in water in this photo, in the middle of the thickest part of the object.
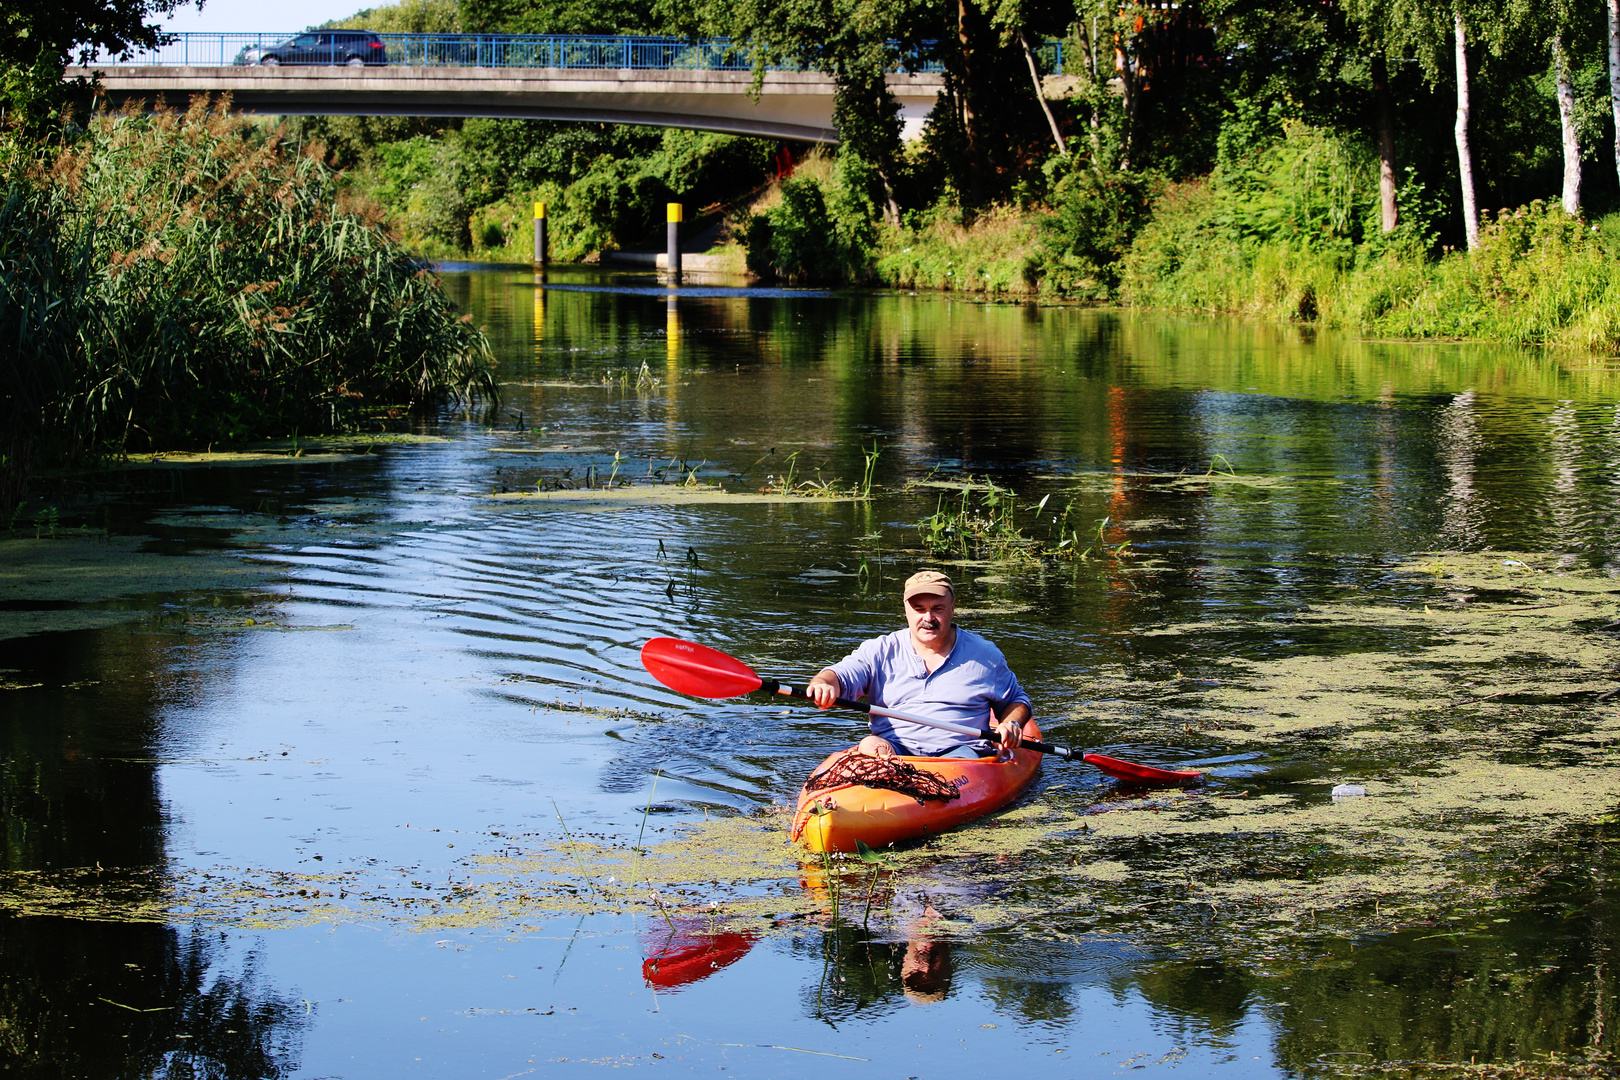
(935, 669)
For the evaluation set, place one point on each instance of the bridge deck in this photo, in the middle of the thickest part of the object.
(790, 104)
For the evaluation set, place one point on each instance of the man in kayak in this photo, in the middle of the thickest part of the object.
(933, 668)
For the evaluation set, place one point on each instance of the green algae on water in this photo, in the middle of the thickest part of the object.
(98, 576)
(307, 450)
(731, 870)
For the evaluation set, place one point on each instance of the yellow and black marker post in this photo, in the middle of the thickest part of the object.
(539, 234)
(674, 240)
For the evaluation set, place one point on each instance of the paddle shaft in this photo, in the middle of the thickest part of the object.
(776, 686)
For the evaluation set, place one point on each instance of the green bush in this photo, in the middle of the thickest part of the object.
(1094, 217)
(472, 190)
(823, 229)
(794, 240)
(1269, 232)
(1295, 236)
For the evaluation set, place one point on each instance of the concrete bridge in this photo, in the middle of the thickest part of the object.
(655, 81)
(791, 104)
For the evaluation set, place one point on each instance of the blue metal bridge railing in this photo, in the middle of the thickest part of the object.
(604, 53)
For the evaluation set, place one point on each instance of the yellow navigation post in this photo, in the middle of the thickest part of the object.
(539, 310)
(674, 238)
(672, 336)
(539, 234)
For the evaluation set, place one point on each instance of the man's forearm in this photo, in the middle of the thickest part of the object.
(1017, 711)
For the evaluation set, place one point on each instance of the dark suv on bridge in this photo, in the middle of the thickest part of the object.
(357, 48)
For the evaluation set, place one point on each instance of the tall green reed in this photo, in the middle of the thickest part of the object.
(185, 279)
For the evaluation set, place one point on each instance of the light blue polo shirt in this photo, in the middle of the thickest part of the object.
(973, 681)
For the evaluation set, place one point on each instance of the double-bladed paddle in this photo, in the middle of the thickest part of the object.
(700, 671)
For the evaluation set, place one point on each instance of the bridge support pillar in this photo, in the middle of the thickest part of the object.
(674, 240)
(540, 234)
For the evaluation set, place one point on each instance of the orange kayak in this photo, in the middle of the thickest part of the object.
(878, 817)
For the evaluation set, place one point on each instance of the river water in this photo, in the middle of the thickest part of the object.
(349, 776)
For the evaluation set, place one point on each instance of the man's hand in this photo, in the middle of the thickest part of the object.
(824, 688)
(1009, 727)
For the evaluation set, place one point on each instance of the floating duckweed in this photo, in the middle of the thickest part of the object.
(1477, 723)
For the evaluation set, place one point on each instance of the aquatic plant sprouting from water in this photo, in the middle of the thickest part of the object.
(982, 527)
(878, 864)
(869, 469)
(988, 528)
(821, 487)
(177, 280)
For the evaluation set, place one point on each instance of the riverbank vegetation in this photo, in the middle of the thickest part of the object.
(174, 281)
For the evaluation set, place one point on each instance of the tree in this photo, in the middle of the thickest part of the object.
(1149, 71)
(857, 42)
(1388, 210)
(39, 37)
(1013, 18)
(1614, 76)
(1465, 152)
(1566, 122)
(81, 28)
(562, 17)
(1423, 30)
(1394, 28)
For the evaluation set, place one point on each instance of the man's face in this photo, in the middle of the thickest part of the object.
(929, 615)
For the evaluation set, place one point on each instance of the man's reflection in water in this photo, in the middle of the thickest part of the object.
(925, 970)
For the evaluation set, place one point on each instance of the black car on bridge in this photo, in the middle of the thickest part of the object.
(356, 48)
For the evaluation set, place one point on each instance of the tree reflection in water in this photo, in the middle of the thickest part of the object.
(1516, 985)
(78, 789)
(83, 998)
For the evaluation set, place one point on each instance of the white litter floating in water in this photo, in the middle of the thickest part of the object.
(1348, 791)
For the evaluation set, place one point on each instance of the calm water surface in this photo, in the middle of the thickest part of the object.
(433, 677)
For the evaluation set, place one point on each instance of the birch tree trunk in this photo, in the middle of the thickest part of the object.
(1040, 96)
(1386, 143)
(1566, 122)
(1614, 75)
(1096, 109)
(1465, 156)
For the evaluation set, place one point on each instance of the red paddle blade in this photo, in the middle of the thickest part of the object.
(1142, 774)
(696, 669)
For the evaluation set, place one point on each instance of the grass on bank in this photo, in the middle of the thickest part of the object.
(182, 280)
(1538, 277)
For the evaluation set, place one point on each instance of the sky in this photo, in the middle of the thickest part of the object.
(257, 16)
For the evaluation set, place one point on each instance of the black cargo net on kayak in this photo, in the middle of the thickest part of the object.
(890, 773)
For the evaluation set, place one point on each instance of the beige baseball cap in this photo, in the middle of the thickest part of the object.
(928, 581)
